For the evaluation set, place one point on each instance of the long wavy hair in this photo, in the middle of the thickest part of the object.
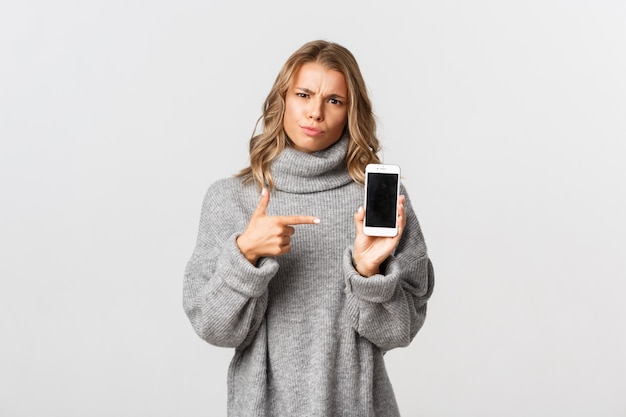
(363, 144)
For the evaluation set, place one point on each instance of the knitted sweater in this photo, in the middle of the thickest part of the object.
(309, 332)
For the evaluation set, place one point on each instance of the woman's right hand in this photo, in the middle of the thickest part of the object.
(269, 235)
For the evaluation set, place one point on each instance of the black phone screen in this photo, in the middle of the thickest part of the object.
(381, 200)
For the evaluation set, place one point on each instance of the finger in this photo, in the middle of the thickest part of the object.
(401, 211)
(401, 216)
(297, 220)
(289, 231)
(264, 201)
(358, 219)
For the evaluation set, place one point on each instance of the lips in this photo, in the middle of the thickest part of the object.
(310, 131)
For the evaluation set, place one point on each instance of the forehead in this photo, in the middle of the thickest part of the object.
(316, 75)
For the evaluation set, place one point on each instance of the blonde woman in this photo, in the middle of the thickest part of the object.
(282, 271)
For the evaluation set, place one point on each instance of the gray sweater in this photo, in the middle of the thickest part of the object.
(309, 332)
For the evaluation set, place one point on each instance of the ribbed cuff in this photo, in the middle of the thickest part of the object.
(378, 288)
(239, 274)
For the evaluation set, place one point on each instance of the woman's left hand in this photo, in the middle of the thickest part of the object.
(371, 251)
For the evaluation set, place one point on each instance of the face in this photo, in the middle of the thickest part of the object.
(316, 108)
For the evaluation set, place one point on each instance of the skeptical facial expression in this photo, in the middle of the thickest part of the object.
(316, 108)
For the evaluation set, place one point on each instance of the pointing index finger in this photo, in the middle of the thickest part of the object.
(291, 220)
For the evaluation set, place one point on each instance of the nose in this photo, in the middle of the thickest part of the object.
(316, 110)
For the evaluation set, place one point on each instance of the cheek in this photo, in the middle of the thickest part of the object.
(291, 110)
(290, 118)
(340, 121)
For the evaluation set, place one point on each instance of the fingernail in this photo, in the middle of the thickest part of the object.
(263, 191)
(316, 221)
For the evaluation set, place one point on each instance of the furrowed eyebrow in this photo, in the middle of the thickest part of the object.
(332, 95)
(337, 96)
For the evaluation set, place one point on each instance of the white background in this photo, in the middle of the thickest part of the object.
(507, 117)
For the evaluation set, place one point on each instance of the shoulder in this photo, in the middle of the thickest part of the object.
(229, 195)
(405, 192)
(226, 187)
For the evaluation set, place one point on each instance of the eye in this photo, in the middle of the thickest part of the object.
(303, 95)
(333, 100)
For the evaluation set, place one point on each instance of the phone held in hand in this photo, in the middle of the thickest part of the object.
(382, 188)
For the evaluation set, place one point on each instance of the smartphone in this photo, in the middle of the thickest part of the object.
(382, 188)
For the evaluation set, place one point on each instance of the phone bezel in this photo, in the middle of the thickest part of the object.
(387, 169)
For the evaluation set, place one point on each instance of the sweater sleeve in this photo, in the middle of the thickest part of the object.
(224, 295)
(389, 308)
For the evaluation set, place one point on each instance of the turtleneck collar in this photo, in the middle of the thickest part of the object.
(300, 172)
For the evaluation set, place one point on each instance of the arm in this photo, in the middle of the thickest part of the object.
(389, 307)
(224, 295)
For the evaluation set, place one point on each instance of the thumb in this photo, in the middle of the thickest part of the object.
(358, 220)
(264, 201)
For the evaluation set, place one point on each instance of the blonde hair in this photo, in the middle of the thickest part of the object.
(361, 126)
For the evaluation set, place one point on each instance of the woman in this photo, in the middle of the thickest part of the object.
(308, 301)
